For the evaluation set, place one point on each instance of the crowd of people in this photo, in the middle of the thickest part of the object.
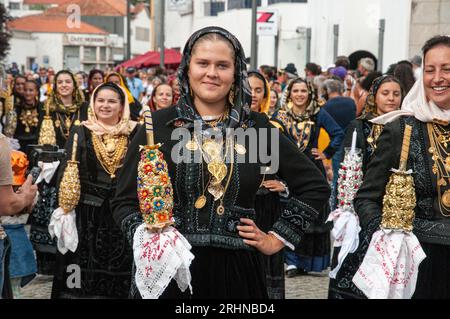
(248, 229)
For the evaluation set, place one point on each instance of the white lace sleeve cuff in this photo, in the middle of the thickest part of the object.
(284, 241)
(284, 194)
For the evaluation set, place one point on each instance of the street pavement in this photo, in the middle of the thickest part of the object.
(311, 286)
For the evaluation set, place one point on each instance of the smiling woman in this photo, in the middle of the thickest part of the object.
(214, 194)
(427, 109)
(105, 263)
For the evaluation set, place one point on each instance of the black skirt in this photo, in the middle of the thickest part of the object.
(268, 208)
(103, 254)
(343, 287)
(219, 273)
(433, 281)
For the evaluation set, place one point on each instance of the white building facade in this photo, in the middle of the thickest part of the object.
(358, 28)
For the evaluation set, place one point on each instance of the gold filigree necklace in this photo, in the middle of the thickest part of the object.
(29, 117)
(439, 139)
(110, 151)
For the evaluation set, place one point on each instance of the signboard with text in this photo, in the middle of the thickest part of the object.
(87, 40)
(267, 22)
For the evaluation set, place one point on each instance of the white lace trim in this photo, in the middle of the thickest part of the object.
(159, 257)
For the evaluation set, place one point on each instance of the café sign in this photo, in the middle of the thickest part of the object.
(87, 40)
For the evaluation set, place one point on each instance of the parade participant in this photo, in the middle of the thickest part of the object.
(267, 204)
(273, 107)
(95, 78)
(28, 112)
(19, 88)
(66, 110)
(65, 105)
(385, 96)
(226, 243)
(106, 262)
(161, 98)
(301, 119)
(135, 105)
(426, 109)
(176, 89)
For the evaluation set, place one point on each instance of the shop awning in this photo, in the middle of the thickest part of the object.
(172, 58)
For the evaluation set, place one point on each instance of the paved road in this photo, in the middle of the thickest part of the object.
(311, 286)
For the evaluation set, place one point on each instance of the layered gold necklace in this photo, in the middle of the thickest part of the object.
(29, 117)
(110, 151)
(214, 157)
(439, 141)
(64, 123)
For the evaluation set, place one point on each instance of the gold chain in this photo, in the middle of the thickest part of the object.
(66, 122)
(305, 128)
(109, 158)
(375, 133)
(438, 145)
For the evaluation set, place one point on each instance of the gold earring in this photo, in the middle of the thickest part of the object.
(191, 92)
(231, 96)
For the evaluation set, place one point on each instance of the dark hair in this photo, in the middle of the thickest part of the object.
(391, 68)
(370, 104)
(404, 73)
(20, 76)
(368, 80)
(314, 68)
(91, 75)
(342, 61)
(113, 87)
(150, 102)
(256, 74)
(435, 41)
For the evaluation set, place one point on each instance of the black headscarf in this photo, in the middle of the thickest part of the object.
(370, 106)
(239, 112)
(55, 101)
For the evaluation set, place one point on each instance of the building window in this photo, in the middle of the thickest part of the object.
(71, 57)
(90, 54)
(142, 34)
(213, 7)
(14, 6)
(103, 56)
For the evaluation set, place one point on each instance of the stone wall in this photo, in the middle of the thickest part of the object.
(428, 18)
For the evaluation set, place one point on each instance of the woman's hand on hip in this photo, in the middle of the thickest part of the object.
(268, 244)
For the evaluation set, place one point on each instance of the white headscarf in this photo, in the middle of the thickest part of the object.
(416, 104)
(125, 125)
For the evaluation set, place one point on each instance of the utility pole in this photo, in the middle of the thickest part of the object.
(128, 56)
(152, 26)
(254, 48)
(161, 32)
(382, 28)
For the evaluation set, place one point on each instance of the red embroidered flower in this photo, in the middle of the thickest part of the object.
(147, 168)
(144, 193)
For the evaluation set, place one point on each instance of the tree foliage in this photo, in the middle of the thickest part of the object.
(5, 34)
